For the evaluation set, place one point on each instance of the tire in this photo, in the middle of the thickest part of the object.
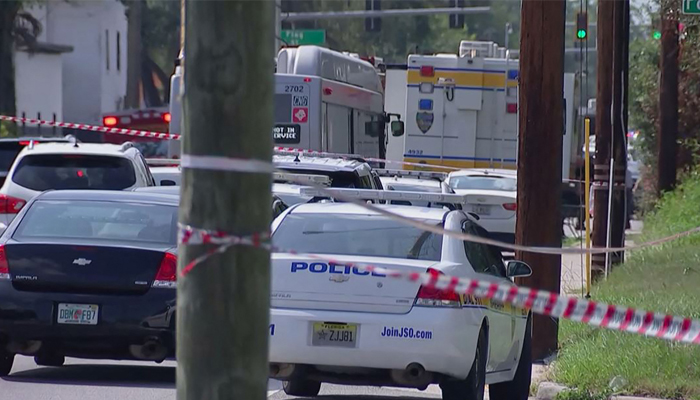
(519, 387)
(301, 387)
(6, 361)
(471, 388)
(49, 360)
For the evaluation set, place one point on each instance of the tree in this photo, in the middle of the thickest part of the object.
(134, 47)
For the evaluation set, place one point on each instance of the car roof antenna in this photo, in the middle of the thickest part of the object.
(75, 142)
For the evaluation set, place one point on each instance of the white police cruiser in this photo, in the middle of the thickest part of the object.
(337, 323)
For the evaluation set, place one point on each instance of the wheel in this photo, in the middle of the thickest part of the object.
(519, 387)
(471, 388)
(6, 361)
(301, 387)
(49, 360)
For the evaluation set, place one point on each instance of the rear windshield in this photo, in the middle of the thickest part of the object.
(358, 235)
(483, 182)
(44, 172)
(99, 220)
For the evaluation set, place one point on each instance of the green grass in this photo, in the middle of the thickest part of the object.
(665, 279)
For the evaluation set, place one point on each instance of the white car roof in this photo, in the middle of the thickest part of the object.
(509, 173)
(286, 188)
(431, 183)
(81, 148)
(165, 170)
(424, 213)
(324, 163)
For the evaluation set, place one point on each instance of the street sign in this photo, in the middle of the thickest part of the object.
(691, 7)
(302, 37)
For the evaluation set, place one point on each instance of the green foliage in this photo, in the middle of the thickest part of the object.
(581, 394)
(663, 279)
(161, 32)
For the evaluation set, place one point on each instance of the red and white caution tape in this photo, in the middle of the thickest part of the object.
(619, 318)
(93, 128)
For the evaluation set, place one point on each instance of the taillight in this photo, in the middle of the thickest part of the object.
(166, 117)
(4, 268)
(427, 70)
(110, 121)
(10, 205)
(510, 206)
(431, 297)
(167, 272)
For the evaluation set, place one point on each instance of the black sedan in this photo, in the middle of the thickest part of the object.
(89, 274)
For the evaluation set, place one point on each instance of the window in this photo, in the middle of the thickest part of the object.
(107, 48)
(483, 258)
(484, 182)
(71, 171)
(358, 235)
(119, 51)
(100, 220)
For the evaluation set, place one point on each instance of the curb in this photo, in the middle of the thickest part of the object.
(550, 390)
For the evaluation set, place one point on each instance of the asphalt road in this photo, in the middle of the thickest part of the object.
(116, 380)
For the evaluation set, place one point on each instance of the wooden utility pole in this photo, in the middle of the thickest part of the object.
(223, 303)
(668, 101)
(603, 130)
(619, 133)
(540, 153)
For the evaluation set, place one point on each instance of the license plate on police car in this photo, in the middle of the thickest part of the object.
(77, 314)
(334, 334)
(482, 209)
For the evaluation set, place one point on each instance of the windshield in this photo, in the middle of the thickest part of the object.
(99, 220)
(63, 171)
(484, 182)
(357, 235)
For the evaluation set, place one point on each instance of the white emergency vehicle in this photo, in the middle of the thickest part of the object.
(324, 100)
(461, 110)
(336, 323)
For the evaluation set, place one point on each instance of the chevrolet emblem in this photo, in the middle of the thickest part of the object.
(82, 262)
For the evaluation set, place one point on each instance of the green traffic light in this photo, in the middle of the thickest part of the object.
(657, 35)
(581, 34)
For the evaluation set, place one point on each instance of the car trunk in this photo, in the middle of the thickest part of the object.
(71, 268)
(300, 282)
(489, 205)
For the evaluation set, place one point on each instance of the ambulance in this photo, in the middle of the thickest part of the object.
(461, 110)
(324, 100)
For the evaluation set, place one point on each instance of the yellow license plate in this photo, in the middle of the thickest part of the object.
(334, 334)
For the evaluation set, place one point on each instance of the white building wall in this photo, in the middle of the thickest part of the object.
(89, 87)
(38, 81)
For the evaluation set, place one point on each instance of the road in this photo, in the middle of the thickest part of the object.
(122, 380)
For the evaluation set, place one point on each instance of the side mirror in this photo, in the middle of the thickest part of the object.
(397, 128)
(518, 269)
(167, 182)
(374, 128)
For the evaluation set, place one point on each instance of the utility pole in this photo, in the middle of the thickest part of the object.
(541, 124)
(619, 134)
(603, 130)
(223, 303)
(668, 101)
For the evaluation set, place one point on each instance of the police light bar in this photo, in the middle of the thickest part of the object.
(301, 178)
(390, 195)
(411, 174)
(153, 162)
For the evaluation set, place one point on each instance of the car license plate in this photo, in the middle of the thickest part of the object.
(332, 334)
(77, 314)
(482, 210)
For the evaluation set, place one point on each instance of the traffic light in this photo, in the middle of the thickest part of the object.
(457, 20)
(373, 24)
(581, 26)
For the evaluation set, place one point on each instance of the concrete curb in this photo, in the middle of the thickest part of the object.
(550, 390)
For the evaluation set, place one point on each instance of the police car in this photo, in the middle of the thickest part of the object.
(331, 322)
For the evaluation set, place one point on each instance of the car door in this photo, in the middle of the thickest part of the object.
(501, 319)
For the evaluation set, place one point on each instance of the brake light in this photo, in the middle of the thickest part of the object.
(431, 297)
(307, 79)
(427, 70)
(24, 143)
(166, 117)
(166, 277)
(10, 205)
(109, 121)
(510, 206)
(4, 267)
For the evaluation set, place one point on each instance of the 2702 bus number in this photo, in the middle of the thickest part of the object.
(293, 88)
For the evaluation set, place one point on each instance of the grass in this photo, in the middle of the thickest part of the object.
(665, 279)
